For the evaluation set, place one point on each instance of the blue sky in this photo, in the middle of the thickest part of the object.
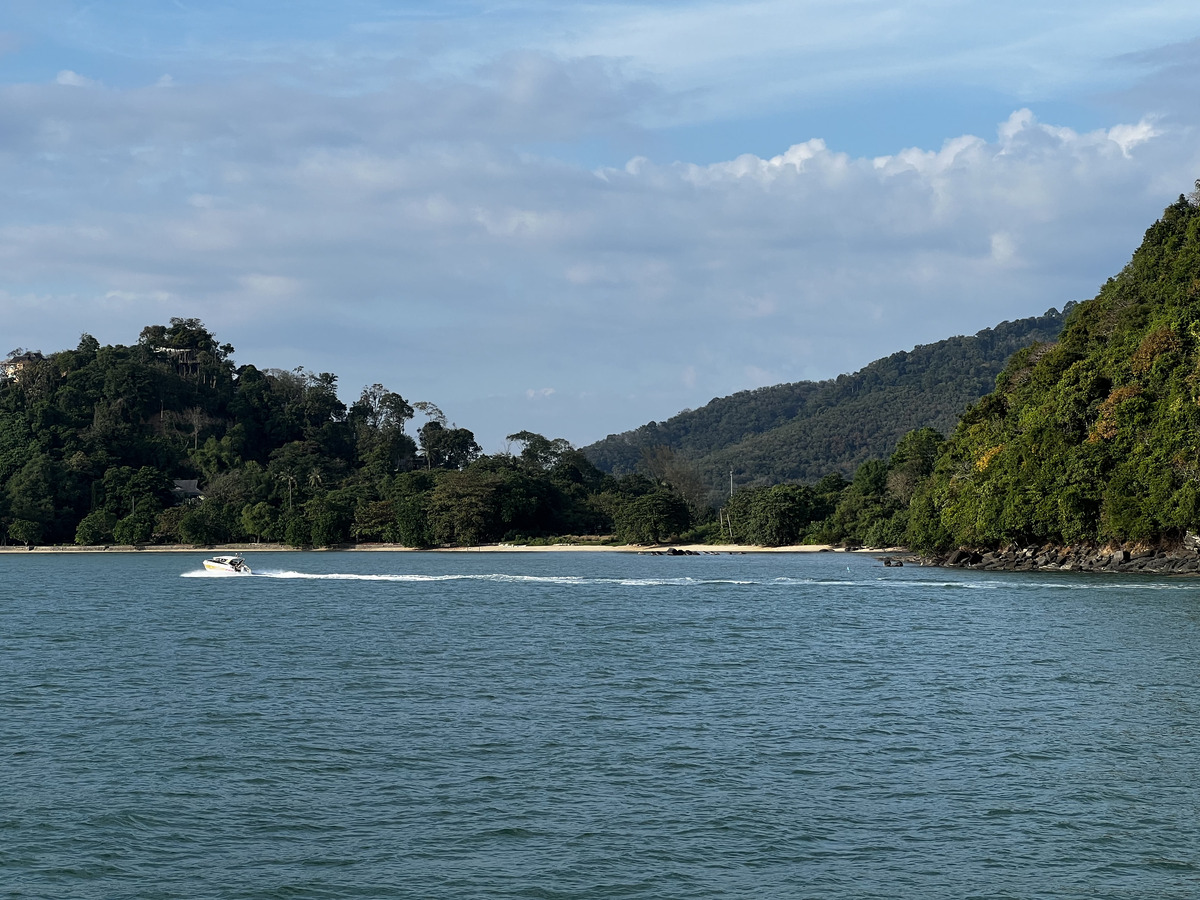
(576, 218)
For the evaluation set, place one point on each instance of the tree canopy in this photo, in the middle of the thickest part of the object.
(1091, 434)
(102, 444)
(1095, 437)
(804, 430)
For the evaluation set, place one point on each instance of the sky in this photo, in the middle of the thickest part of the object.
(575, 218)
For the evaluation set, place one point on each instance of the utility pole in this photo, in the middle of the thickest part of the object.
(728, 517)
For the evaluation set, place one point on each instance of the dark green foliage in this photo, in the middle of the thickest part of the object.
(464, 509)
(135, 528)
(1096, 437)
(776, 516)
(31, 498)
(25, 531)
(296, 530)
(330, 515)
(872, 510)
(1093, 437)
(95, 528)
(260, 520)
(447, 448)
(409, 495)
(657, 516)
(92, 441)
(801, 431)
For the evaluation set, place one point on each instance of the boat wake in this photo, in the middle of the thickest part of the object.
(565, 580)
(500, 578)
(207, 573)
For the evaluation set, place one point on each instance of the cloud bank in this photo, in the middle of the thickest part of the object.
(413, 233)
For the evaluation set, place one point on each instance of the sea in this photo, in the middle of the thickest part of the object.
(577, 725)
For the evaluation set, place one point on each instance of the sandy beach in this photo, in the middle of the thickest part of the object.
(589, 547)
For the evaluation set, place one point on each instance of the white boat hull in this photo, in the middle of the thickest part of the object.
(227, 565)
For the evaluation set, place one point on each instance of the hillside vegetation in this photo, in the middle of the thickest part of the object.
(1094, 438)
(806, 430)
(166, 441)
(1089, 439)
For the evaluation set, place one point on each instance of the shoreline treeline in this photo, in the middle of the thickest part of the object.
(166, 441)
(1093, 438)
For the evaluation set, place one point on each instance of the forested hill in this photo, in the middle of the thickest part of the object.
(165, 441)
(805, 430)
(1095, 438)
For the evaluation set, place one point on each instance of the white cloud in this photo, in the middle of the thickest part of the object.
(396, 235)
(72, 79)
(258, 285)
(1004, 248)
(138, 299)
(750, 56)
(1129, 136)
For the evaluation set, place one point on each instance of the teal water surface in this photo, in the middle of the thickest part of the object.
(593, 725)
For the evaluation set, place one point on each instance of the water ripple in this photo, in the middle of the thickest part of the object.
(595, 726)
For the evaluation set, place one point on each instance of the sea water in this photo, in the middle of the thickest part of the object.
(593, 725)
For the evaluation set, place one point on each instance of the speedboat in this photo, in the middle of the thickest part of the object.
(232, 565)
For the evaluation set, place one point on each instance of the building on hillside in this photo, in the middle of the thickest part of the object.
(186, 363)
(187, 489)
(10, 369)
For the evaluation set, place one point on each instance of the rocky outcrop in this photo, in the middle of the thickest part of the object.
(1179, 558)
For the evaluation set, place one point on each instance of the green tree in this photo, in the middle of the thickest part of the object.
(374, 520)
(95, 528)
(652, 518)
(463, 509)
(134, 529)
(773, 517)
(25, 531)
(31, 498)
(297, 530)
(538, 451)
(447, 448)
(128, 490)
(330, 516)
(259, 519)
(410, 494)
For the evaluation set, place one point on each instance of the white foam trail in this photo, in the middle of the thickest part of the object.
(576, 580)
(563, 580)
(205, 573)
(567, 580)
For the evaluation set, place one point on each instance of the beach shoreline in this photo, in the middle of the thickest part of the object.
(644, 549)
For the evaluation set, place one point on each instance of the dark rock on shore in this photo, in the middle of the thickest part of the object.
(1177, 558)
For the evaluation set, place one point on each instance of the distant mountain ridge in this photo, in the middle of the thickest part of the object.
(805, 430)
